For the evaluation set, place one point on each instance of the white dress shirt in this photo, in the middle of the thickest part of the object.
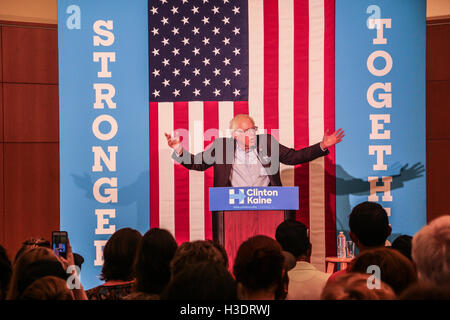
(247, 170)
(306, 282)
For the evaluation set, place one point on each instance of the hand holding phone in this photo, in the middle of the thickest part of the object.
(59, 243)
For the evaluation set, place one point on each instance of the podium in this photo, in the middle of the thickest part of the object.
(239, 213)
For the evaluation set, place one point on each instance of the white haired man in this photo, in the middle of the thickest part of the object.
(249, 159)
(431, 251)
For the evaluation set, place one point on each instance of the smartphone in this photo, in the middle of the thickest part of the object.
(59, 243)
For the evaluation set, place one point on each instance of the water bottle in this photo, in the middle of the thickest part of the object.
(341, 245)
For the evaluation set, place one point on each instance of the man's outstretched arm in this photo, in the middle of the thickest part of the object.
(291, 156)
(186, 159)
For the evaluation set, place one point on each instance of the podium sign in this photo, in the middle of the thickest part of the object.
(253, 198)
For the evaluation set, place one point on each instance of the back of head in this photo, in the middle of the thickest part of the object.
(395, 269)
(189, 253)
(354, 286)
(5, 272)
(222, 250)
(206, 280)
(370, 224)
(32, 243)
(431, 253)
(47, 288)
(27, 268)
(259, 264)
(426, 291)
(119, 255)
(403, 245)
(293, 237)
(156, 249)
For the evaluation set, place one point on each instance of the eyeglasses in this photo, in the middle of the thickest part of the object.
(250, 131)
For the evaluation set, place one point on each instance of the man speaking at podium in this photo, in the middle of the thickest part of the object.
(249, 159)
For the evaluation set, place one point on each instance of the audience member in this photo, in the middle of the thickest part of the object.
(78, 260)
(117, 271)
(219, 247)
(395, 269)
(152, 266)
(306, 282)
(354, 286)
(426, 291)
(189, 253)
(369, 229)
(258, 268)
(32, 243)
(5, 273)
(403, 245)
(207, 280)
(47, 288)
(32, 264)
(431, 251)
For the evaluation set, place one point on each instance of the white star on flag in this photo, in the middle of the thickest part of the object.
(155, 72)
(154, 10)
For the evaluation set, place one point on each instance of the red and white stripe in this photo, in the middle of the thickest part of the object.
(291, 95)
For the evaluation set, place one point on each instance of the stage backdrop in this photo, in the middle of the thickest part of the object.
(131, 71)
(104, 141)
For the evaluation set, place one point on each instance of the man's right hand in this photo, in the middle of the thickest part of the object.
(174, 143)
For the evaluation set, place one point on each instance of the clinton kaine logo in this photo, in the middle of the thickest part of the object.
(251, 196)
(236, 196)
(255, 198)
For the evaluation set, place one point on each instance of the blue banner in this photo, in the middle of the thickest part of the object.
(253, 198)
(380, 102)
(104, 124)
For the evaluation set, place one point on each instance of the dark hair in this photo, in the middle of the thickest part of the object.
(47, 288)
(293, 237)
(119, 254)
(353, 286)
(39, 269)
(369, 223)
(189, 253)
(32, 243)
(426, 291)
(206, 280)
(403, 244)
(152, 267)
(396, 270)
(259, 263)
(5, 273)
(222, 250)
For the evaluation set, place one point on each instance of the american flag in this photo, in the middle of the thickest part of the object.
(212, 59)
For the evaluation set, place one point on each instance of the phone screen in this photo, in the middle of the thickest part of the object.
(59, 243)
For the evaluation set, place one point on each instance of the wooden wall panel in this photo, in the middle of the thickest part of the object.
(438, 109)
(30, 55)
(1, 60)
(2, 207)
(31, 113)
(438, 178)
(31, 186)
(1, 112)
(438, 50)
(438, 116)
